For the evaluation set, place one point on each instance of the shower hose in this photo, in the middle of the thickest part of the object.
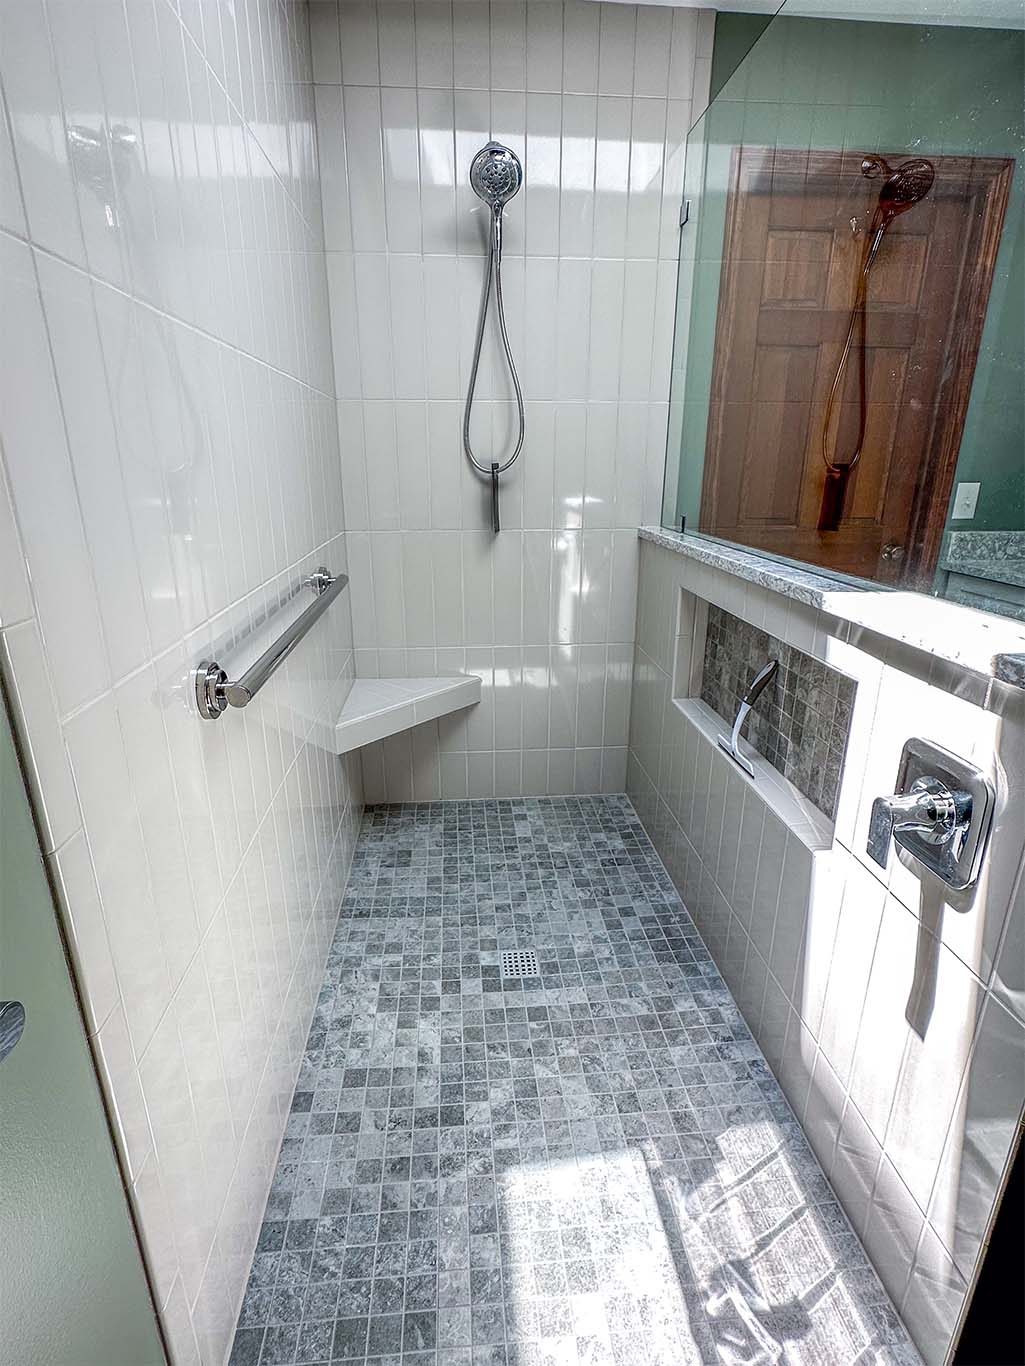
(838, 471)
(494, 270)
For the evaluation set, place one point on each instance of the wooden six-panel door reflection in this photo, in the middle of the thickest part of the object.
(793, 246)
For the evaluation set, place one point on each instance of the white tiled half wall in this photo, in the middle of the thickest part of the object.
(170, 473)
(891, 1008)
(596, 101)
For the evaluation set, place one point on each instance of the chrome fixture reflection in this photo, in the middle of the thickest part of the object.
(902, 189)
(759, 683)
(941, 813)
(495, 176)
(102, 158)
(12, 1026)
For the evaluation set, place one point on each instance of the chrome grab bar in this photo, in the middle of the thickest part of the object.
(215, 690)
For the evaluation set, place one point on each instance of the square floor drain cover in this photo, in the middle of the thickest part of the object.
(520, 963)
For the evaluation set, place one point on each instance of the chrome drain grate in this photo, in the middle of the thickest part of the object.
(520, 963)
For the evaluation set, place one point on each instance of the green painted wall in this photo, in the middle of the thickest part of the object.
(833, 84)
(735, 36)
(72, 1288)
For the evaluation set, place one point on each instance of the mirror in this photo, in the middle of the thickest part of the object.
(848, 368)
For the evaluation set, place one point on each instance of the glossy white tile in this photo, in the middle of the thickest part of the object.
(39, 131)
(48, 771)
(878, 1009)
(42, 485)
(171, 465)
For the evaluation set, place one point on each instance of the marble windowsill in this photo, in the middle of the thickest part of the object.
(985, 645)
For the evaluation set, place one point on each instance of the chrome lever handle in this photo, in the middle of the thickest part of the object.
(929, 808)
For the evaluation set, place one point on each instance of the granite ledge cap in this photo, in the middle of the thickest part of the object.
(859, 603)
(1010, 668)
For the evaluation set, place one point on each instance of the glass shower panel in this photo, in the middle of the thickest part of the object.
(848, 365)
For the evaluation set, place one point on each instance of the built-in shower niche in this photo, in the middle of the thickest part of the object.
(802, 721)
(797, 733)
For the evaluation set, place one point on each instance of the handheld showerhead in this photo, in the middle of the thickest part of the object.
(495, 175)
(904, 186)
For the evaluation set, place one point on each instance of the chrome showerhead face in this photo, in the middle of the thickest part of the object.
(906, 185)
(495, 174)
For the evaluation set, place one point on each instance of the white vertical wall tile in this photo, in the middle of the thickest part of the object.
(396, 43)
(324, 42)
(143, 484)
(171, 464)
(29, 75)
(541, 191)
(544, 45)
(334, 177)
(647, 165)
(363, 151)
(437, 169)
(401, 169)
(509, 45)
(442, 324)
(373, 324)
(576, 224)
(639, 307)
(49, 775)
(357, 31)
(406, 289)
(434, 62)
(653, 50)
(580, 47)
(471, 110)
(581, 93)
(12, 210)
(683, 52)
(867, 994)
(613, 151)
(472, 45)
(345, 338)
(15, 597)
(68, 304)
(573, 315)
(43, 487)
(604, 362)
(617, 44)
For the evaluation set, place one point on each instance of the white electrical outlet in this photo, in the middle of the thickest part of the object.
(966, 497)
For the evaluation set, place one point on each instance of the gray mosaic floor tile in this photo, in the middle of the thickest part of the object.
(593, 1167)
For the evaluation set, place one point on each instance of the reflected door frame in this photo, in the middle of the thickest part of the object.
(984, 184)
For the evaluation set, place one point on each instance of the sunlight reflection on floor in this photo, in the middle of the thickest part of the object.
(761, 1261)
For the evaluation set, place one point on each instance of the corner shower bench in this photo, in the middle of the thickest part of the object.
(379, 707)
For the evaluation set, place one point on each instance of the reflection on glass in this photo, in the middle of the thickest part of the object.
(848, 370)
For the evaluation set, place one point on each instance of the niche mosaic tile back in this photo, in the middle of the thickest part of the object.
(802, 720)
(590, 1166)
